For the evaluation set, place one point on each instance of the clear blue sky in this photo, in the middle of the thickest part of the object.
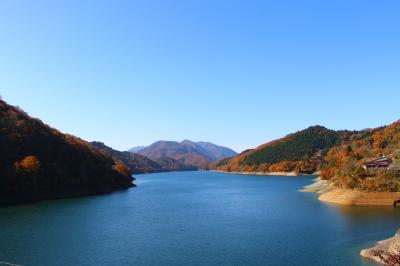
(236, 73)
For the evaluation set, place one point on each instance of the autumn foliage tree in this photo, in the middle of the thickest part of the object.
(121, 168)
(29, 164)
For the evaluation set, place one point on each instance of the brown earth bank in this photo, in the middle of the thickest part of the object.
(354, 197)
(331, 194)
(262, 173)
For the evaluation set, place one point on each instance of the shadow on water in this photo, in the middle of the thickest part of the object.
(367, 212)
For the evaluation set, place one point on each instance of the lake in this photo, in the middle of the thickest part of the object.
(194, 218)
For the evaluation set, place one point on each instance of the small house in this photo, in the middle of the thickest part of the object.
(381, 163)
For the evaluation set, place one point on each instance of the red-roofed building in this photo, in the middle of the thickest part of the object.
(381, 163)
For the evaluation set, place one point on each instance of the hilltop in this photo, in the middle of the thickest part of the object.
(301, 152)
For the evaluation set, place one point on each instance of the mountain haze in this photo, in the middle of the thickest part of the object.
(198, 154)
(137, 163)
(136, 149)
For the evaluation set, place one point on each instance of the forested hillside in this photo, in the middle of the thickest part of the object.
(301, 152)
(339, 155)
(39, 162)
(137, 163)
(342, 165)
(170, 164)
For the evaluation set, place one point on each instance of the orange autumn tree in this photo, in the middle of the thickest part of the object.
(29, 164)
(122, 169)
(284, 166)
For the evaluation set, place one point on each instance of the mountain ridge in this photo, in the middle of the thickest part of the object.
(140, 164)
(137, 163)
(136, 149)
(198, 154)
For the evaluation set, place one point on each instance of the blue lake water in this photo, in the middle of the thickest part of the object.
(194, 218)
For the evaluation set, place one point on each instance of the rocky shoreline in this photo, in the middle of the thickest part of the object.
(319, 186)
(386, 252)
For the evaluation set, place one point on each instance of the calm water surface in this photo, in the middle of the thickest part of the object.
(194, 218)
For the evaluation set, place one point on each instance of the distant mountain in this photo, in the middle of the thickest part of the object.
(39, 162)
(198, 154)
(216, 152)
(136, 149)
(139, 164)
(302, 152)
